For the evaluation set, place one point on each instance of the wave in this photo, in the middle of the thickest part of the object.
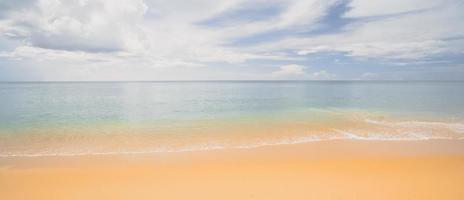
(406, 136)
(336, 135)
(456, 127)
(361, 128)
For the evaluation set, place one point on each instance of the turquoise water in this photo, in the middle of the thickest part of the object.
(40, 111)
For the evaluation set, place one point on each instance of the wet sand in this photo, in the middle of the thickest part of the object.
(339, 169)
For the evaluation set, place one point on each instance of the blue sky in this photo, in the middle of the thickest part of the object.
(104, 40)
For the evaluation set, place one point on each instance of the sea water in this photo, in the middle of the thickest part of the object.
(74, 118)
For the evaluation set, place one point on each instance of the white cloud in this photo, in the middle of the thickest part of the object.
(106, 29)
(94, 26)
(163, 34)
(369, 75)
(365, 8)
(152, 30)
(290, 70)
(301, 72)
(322, 75)
(168, 30)
(298, 14)
(437, 28)
(403, 50)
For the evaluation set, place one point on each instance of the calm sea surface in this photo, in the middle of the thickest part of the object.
(68, 114)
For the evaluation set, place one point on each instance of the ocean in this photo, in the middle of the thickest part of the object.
(81, 118)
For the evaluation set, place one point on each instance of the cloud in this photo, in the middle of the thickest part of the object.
(216, 34)
(397, 33)
(369, 76)
(93, 26)
(290, 70)
(322, 75)
(8, 6)
(172, 29)
(300, 72)
(298, 16)
(245, 12)
(385, 50)
(366, 8)
(153, 31)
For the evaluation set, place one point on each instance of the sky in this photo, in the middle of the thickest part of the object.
(142, 40)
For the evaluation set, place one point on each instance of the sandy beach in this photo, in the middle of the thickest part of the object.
(231, 100)
(339, 169)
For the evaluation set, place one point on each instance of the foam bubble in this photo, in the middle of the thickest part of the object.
(456, 127)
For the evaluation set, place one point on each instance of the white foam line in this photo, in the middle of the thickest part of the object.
(458, 127)
(382, 137)
(220, 147)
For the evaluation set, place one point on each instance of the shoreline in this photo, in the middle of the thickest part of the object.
(233, 148)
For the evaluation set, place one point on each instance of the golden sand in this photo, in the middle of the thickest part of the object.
(345, 169)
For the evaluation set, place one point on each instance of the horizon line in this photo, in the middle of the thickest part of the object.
(225, 80)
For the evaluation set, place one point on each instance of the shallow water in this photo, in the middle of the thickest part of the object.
(138, 117)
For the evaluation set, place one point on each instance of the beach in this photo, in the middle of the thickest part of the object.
(231, 100)
(232, 140)
(337, 169)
